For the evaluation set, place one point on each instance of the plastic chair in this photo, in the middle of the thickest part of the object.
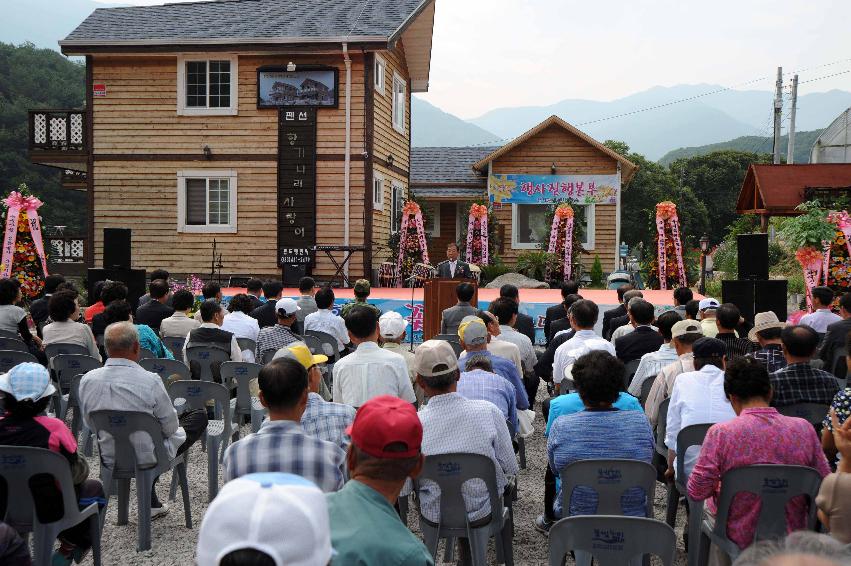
(166, 369)
(55, 349)
(205, 362)
(175, 345)
(612, 540)
(66, 366)
(662, 428)
(839, 367)
(330, 347)
(10, 335)
(646, 386)
(453, 340)
(449, 472)
(314, 344)
(18, 464)
(629, 370)
(16, 344)
(775, 485)
(11, 358)
(145, 354)
(120, 425)
(813, 413)
(610, 479)
(197, 394)
(692, 435)
(246, 344)
(238, 375)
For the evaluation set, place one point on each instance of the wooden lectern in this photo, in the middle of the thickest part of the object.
(439, 294)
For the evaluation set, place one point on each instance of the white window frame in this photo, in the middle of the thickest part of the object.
(590, 214)
(398, 80)
(182, 109)
(182, 176)
(380, 72)
(434, 213)
(378, 203)
(394, 187)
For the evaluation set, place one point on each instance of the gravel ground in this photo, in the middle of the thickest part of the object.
(174, 544)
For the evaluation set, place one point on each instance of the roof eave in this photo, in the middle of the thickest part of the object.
(82, 46)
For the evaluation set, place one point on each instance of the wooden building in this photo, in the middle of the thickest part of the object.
(179, 142)
(552, 162)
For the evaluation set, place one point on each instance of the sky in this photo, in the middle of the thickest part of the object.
(495, 53)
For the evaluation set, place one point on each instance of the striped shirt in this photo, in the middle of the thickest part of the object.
(327, 421)
(283, 446)
(650, 366)
(487, 386)
(736, 347)
(274, 338)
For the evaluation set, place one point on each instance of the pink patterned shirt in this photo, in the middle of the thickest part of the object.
(756, 436)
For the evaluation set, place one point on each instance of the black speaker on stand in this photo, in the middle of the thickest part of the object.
(756, 296)
(117, 265)
(117, 247)
(753, 256)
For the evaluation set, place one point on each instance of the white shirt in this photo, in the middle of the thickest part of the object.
(820, 320)
(242, 326)
(580, 344)
(324, 320)
(698, 398)
(650, 366)
(178, 324)
(503, 349)
(452, 266)
(527, 350)
(368, 372)
(235, 352)
(626, 329)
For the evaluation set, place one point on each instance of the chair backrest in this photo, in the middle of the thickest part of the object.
(13, 344)
(330, 347)
(838, 365)
(18, 464)
(692, 435)
(11, 335)
(197, 393)
(775, 485)
(120, 426)
(11, 358)
(610, 479)
(145, 353)
(646, 386)
(612, 541)
(629, 370)
(53, 350)
(205, 362)
(449, 472)
(314, 344)
(240, 374)
(246, 344)
(166, 369)
(175, 344)
(67, 366)
(453, 340)
(813, 413)
(662, 427)
(816, 363)
(268, 355)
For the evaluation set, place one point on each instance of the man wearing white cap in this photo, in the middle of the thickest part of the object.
(392, 327)
(273, 338)
(708, 308)
(270, 518)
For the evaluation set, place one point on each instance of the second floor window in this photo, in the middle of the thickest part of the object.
(207, 86)
(399, 102)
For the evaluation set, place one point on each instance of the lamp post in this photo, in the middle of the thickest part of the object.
(704, 247)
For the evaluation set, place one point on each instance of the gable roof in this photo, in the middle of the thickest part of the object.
(628, 168)
(778, 189)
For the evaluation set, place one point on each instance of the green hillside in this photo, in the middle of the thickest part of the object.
(32, 78)
(753, 144)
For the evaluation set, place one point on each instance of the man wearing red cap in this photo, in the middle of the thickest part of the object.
(385, 451)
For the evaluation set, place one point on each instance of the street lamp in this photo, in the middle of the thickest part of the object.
(704, 247)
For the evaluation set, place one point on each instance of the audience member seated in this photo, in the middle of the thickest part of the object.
(64, 310)
(651, 364)
(683, 336)
(758, 435)
(96, 305)
(576, 436)
(644, 337)
(496, 346)
(240, 323)
(474, 339)
(479, 381)
(209, 292)
(254, 290)
(822, 316)
(682, 297)
(559, 311)
(841, 405)
(834, 340)
(39, 308)
(13, 549)
(524, 323)
(727, 319)
(306, 302)
(617, 312)
(180, 323)
(369, 371)
(801, 548)
(27, 392)
(210, 335)
(119, 311)
(154, 311)
(799, 382)
(708, 308)
(506, 313)
(324, 319)
(281, 444)
(321, 418)
(834, 497)
(155, 274)
(452, 423)
(123, 385)
(544, 367)
(13, 318)
(562, 326)
(112, 291)
(385, 452)
(583, 317)
(766, 333)
(620, 325)
(698, 398)
(451, 318)
(361, 291)
(266, 314)
(392, 328)
(273, 338)
(692, 309)
(243, 526)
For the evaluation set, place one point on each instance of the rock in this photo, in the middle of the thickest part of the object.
(518, 280)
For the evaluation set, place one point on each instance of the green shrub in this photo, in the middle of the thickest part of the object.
(534, 264)
(597, 271)
(493, 270)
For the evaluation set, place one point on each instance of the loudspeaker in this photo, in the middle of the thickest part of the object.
(771, 295)
(133, 278)
(293, 272)
(116, 247)
(753, 256)
(741, 294)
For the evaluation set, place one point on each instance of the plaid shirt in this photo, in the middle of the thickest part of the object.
(274, 338)
(772, 356)
(802, 383)
(736, 347)
(327, 421)
(283, 446)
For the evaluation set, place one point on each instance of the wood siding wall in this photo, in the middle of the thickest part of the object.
(138, 118)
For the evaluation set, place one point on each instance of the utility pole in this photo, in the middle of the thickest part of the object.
(790, 151)
(778, 110)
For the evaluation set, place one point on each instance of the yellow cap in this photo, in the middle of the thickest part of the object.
(301, 354)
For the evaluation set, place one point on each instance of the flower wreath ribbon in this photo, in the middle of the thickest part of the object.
(478, 218)
(16, 202)
(564, 214)
(410, 210)
(811, 260)
(667, 211)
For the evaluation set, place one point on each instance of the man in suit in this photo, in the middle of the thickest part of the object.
(452, 317)
(154, 311)
(834, 339)
(524, 324)
(453, 267)
(559, 311)
(620, 321)
(265, 313)
(644, 339)
(616, 312)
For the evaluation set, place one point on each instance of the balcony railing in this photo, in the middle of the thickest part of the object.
(66, 249)
(58, 130)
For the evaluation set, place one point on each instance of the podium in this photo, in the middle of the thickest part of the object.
(438, 295)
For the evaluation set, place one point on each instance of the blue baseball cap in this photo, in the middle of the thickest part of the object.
(28, 380)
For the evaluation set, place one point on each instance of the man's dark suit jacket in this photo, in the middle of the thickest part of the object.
(554, 313)
(616, 323)
(640, 341)
(265, 314)
(462, 270)
(152, 313)
(559, 325)
(834, 341)
(525, 325)
(616, 312)
(544, 367)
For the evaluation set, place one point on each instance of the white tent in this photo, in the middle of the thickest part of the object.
(834, 143)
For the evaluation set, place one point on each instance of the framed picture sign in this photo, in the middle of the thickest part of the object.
(308, 86)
